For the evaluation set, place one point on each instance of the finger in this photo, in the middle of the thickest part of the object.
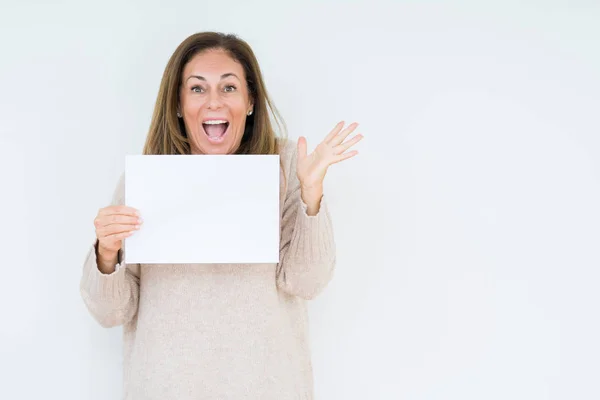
(334, 131)
(344, 156)
(339, 149)
(302, 148)
(116, 219)
(343, 134)
(113, 229)
(118, 236)
(107, 219)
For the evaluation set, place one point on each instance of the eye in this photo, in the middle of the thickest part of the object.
(230, 86)
(196, 89)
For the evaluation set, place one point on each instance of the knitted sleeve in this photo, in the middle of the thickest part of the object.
(307, 250)
(112, 299)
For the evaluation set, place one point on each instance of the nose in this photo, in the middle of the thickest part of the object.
(214, 100)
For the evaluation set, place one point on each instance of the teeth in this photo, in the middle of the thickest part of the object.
(215, 122)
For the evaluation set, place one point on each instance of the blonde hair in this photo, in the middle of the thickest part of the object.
(167, 134)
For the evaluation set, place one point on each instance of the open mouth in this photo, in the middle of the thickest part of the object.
(215, 130)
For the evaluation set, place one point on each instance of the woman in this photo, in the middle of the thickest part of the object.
(227, 331)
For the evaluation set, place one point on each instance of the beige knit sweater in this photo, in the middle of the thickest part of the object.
(220, 331)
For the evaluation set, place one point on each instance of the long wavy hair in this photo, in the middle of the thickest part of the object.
(167, 133)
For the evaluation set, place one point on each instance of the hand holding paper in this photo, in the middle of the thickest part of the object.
(113, 224)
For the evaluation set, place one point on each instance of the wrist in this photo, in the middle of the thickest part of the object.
(312, 198)
(312, 188)
(104, 252)
(106, 259)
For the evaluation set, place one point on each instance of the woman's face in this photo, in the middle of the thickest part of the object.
(214, 102)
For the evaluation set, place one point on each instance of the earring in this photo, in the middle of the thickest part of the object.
(178, 114)
(249, 112)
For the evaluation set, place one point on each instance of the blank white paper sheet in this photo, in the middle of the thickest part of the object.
(203, 208)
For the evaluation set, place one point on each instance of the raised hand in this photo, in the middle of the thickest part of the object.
(311, 168)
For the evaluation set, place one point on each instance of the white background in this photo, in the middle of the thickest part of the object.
(467, 228)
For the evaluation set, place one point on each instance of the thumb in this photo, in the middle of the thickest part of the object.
(301, 148)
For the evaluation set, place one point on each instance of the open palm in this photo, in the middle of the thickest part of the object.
(311, 168)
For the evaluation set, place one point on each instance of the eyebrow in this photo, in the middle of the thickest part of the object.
(227, 75)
